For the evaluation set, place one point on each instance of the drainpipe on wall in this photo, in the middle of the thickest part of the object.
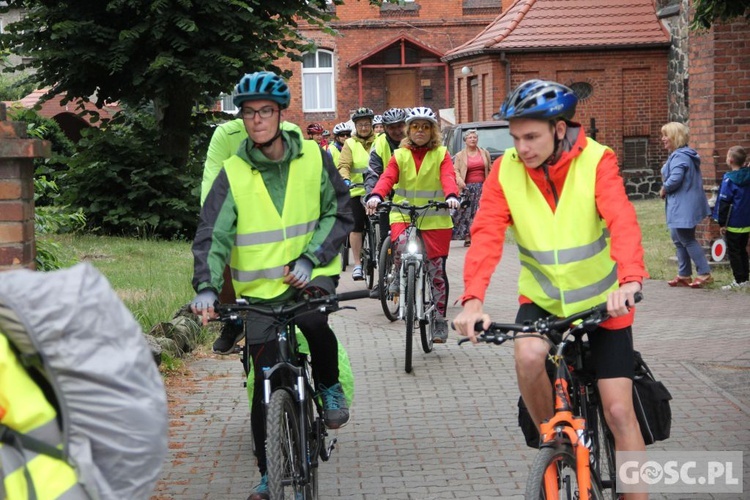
(506, 62)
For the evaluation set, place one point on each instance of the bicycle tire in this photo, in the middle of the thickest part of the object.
(367, 267)
(345, 254)
(283, 461)
(410, 306)
(427, 325)
(387, 272)
(603, 453)
(562, 458)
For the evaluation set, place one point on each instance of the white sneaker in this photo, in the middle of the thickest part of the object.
(736, 286)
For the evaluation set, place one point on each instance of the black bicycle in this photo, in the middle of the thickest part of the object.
(295, 432)
(576, 458)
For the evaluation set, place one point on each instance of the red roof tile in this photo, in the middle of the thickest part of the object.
(569, 24)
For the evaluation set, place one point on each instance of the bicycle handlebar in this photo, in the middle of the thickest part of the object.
(414, 208)
(497, 333)
(329, 302)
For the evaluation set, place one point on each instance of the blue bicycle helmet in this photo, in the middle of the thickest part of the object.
(539, 99)
(262, 85)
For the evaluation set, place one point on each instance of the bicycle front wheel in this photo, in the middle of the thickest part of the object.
(427, 325)
(283, 443)
(410, 306)
(387, 273)
(368, 268)
(554, 476)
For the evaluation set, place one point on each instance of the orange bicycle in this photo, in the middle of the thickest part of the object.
(576, 459)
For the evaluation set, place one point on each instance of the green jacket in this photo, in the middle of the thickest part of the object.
(218, 221)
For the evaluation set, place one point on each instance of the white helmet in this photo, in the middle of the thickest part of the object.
(421, 113)
(377, 120)
(341, 128)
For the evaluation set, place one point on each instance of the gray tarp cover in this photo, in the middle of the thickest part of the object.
(113, 398)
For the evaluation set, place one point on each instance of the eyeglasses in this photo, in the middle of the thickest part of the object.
(264, 112)
(416, 127)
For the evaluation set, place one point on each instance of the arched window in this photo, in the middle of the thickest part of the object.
(318, 84)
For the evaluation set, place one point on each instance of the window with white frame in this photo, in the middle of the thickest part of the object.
(318, 86)
(227, 104)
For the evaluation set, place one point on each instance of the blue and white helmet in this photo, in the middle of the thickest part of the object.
(262, 85)
(394, 115)
(539, 99)
(377, 120)
(421, 113)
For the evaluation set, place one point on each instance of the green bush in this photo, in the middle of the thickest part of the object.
(127, 186)
(52, 219)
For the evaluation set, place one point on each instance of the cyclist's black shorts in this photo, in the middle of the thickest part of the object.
(358, 210)
(611, 350)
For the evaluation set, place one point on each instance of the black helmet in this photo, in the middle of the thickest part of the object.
(362, 113)
(539, 99)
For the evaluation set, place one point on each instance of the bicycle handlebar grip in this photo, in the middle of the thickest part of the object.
(357, 294)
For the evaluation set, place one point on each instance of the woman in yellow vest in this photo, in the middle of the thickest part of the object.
(579, 245)
(278, 212)
(341, 132)
(355, 155)
(419, 171)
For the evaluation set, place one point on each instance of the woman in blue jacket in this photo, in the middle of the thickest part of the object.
(686, 205)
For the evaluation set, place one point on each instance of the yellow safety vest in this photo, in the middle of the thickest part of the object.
(335, 154)
(383, 149)
(25, 409)
(418, 188)
(565, 255)
(267, 241)
(360, 162)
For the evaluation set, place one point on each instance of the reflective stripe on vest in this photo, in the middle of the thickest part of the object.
(430, 188)
(267, 241)
(28, 412)
(565, 255)
(360, 162)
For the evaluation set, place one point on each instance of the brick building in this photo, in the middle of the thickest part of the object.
(383, 57)
(614, 55)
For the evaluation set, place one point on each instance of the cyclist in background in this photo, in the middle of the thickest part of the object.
(394, 121)
(315, 132)
(421, 170)
(377, 124)
(355, 155)
(262, 191)
(562, 194)
(341, 132)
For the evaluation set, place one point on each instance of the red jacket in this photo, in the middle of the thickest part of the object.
(494, 217)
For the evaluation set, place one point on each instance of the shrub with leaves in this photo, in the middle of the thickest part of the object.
(127, 186)
(52, 219)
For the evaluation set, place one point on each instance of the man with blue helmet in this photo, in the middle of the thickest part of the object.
(263, 190)
(562, 194)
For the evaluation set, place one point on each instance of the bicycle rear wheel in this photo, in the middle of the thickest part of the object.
(603, 453)
(553, 475)
(387, 273)
(284, 463)
(410, 306)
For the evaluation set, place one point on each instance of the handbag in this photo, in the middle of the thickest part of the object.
(651, 403)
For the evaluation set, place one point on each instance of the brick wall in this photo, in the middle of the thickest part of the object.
(440, 25)
(17, 246)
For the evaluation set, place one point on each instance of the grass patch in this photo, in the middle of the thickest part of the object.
(152, 277)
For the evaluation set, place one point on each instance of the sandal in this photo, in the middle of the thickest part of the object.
(357, 274)
(679, 281)
(698, 282)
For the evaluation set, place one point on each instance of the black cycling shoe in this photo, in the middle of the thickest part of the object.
(231, 333)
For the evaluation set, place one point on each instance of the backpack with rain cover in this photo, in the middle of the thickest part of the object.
(80, 344)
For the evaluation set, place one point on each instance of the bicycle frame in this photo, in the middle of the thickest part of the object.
(413, 256)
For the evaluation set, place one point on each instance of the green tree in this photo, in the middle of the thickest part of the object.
(171, 53)
(709, 11)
